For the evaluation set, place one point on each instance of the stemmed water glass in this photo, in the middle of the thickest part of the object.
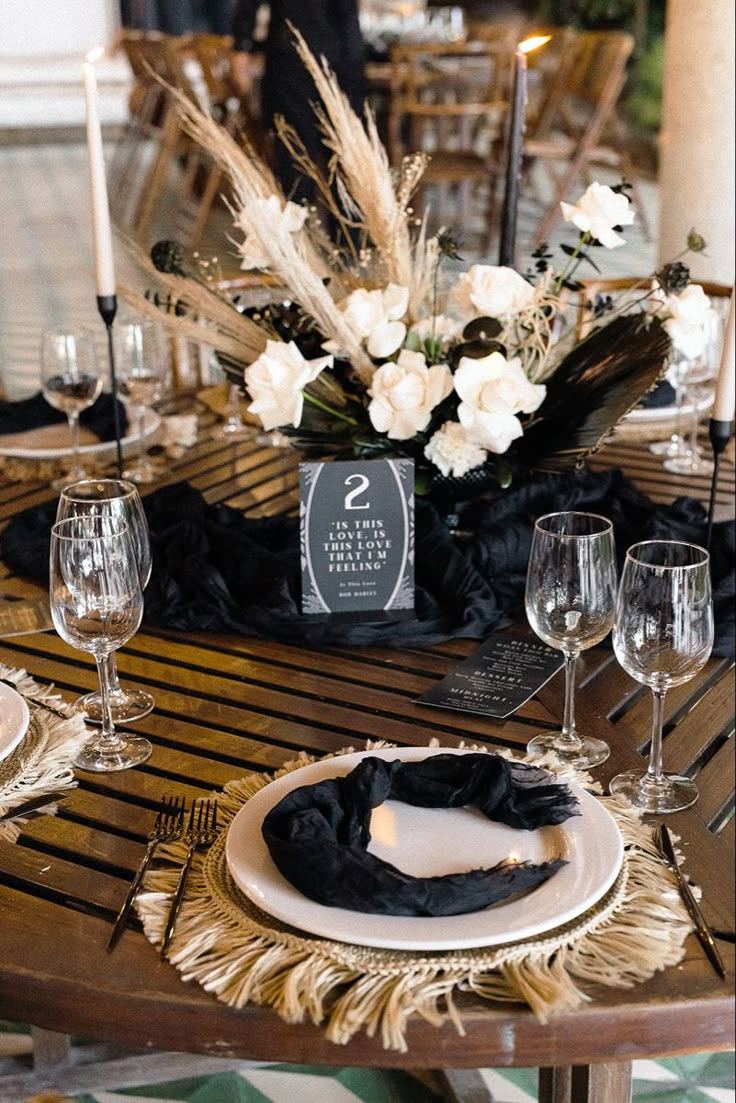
(116, 499)
(96, 605)
(570, 599)
(662, 636)
(70, 382)
(141, 370)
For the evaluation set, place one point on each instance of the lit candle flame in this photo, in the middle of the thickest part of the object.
(94, 55)
(533, 43)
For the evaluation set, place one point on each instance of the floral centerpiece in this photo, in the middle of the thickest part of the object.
(376, 344)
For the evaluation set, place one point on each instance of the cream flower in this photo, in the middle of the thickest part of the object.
(440, 327)
(275, 380)
(266, 215)
(404, 394)
(453, 452)
(597, 211)
(489, 291)
(691, 321)
(493, 390)
(374, 317)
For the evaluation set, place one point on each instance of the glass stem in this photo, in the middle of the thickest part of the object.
(569, 735)
(110, 740)
(76, 470)
(112, 673)
(654, 769)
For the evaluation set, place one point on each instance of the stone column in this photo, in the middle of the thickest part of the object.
(696, 172)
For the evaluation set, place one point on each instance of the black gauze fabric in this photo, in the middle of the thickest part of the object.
(35, 412)
(318, 834)
(215, 570)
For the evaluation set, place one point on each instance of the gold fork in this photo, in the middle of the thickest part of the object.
(201, 832)
(167, 827)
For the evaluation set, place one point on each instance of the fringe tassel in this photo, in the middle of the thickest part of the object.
(638, 930)
(52, 770)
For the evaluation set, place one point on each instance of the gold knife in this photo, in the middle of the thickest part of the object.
(664, 842)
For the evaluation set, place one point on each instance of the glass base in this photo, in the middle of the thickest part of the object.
(689, 464)
(127, 704)
(667, 447)
(670, 794)
(234, 430)
(126, 751)
(586, 753)
(144, 474)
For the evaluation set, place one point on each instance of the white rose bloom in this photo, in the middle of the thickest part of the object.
(275, 380)
(440, 327)
(374, 317)
(404, 394)
(490, 291)
(453, 452)
(493, 390)
(266, 213)
(691, 321)
(597, 211)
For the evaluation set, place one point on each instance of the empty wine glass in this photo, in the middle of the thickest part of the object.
(141, 370)
(116, 499)
(662, 636)
(677, 375)
(96, 606)
(70, 382)
(570, 599)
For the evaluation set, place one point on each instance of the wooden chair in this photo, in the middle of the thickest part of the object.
(578, 125)
(450, 101)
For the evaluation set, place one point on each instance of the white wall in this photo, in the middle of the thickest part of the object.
(42, 46)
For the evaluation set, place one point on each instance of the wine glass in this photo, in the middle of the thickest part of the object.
(114, 498)
(141, 371)
(96, 606)
(570, 599)
(70, 382)
(662, 636)
(677, 375)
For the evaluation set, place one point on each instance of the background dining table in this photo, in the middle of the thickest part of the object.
(227, 705)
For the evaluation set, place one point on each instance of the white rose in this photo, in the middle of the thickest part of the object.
(490, 291)
(374, 317)
(275, 380)
(440, 328)
(453, 452)
(597, 211)
(266, 214)
(492, 391)
(404, 394)
(691, 321)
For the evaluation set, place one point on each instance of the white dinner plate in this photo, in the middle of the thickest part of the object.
(429, 842)
(667, 413)
(14, 719)
(101, 450)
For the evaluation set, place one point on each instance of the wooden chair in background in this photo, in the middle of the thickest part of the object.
(450, 101)
(578, 126)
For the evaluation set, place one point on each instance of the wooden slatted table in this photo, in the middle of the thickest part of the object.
(226, 705)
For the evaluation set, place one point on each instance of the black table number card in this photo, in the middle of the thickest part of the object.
(357, 538)
(498, 678)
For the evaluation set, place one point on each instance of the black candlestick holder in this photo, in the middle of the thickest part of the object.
(107, 305)
(720, 434)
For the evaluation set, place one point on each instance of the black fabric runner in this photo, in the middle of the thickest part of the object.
(318, 834)
(216, 570)
(35, 412)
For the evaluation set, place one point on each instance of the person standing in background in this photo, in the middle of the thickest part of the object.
(178, 16)
(331, 30)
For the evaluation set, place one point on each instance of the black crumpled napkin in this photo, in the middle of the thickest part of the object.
(34, 412)
(215, 570)
(662, 395)
(318, 834)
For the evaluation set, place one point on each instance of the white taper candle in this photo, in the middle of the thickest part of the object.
(104, 268)
(723, 407)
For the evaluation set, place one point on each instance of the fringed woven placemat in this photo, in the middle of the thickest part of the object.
(242, 955)
(42, 761)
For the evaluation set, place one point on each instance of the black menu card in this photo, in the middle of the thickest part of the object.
(497, 679)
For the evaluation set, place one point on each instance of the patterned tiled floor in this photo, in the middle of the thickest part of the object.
(45, 279)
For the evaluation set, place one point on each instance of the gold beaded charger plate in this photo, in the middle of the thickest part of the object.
(426, 842)
(14, 717)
